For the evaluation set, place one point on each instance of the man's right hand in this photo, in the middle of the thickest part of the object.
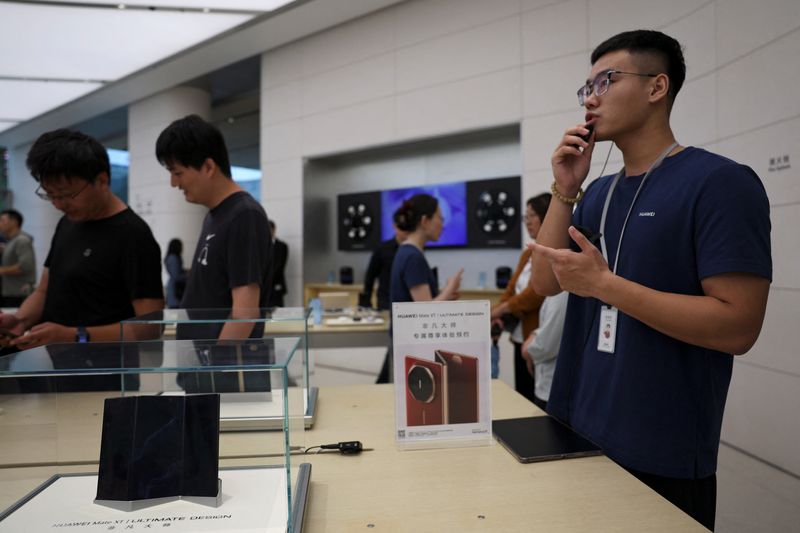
(571, 160)
(11, 327)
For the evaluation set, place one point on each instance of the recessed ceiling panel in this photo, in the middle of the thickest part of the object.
(97, 44)
(20, 100)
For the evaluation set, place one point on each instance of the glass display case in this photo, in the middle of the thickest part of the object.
(51, 418)
(204, 324)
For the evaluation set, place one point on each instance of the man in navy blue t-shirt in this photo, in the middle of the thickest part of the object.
(676, 284)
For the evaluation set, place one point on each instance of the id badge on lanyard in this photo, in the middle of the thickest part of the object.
(607, 332)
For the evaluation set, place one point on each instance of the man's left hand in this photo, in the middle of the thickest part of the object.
(527, 356)
(581, 273)
(44, 333)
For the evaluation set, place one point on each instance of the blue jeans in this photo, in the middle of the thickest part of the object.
(495, 360)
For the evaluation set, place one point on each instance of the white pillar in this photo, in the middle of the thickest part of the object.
(149, 191)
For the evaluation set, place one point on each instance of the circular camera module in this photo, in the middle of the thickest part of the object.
(420, 384)
(495, 212)
(358, 221)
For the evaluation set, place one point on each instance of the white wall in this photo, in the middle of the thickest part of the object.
(491, 155)
(40, 217)
(427, 68)
(150, 194)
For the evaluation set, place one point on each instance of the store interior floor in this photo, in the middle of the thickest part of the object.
(752, 496)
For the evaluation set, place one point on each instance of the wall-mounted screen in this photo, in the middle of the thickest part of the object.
(477, 214)
(452, 202)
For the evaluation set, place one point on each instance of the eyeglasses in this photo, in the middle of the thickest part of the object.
(599, 85)
(44, 195)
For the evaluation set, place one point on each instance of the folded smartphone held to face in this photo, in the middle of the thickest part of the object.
(588, 136)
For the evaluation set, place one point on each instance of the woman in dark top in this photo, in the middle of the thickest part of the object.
(177, 275)
(412, 278)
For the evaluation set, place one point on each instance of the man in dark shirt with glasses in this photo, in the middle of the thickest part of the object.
(654, 319)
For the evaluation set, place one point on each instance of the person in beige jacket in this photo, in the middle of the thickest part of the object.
(519, 303)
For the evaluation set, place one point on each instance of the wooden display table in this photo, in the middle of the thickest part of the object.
(455, 489)
(465, 489)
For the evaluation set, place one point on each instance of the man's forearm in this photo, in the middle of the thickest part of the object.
(236, 330)
(705, 321)
(245, 305)
(11, 270)
(30, 312)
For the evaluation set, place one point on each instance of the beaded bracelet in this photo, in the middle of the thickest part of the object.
(566, 199)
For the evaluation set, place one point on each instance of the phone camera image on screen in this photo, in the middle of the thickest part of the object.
(425, 392)
(496, 212)
(358, 221)
(420, 384)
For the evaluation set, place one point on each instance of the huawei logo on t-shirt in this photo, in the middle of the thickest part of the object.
(647, 213)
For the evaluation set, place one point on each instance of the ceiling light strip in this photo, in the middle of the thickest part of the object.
(131, 7)
(53, 80)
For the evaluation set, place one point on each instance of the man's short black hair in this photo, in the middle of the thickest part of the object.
(189, 141)
(14, 215)
(654, 43)
(68, 154)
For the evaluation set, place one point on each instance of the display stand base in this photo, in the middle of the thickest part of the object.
(259, 411)
(138, 505)
(65, 500)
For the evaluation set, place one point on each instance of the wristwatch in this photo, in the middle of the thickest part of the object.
(81, 335)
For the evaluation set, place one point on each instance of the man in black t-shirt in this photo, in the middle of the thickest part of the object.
(231, 267)
(380, 268)
(104, 265)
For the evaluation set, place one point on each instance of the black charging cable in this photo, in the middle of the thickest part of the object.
(350, 447)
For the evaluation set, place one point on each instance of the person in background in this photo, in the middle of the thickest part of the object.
(540, 349)
(412, 279)
(104, 265)
(653, 320)
(176, 283)
(518, 307)
(380, 268)
(19, 260)
(280, 255)
(231, 265)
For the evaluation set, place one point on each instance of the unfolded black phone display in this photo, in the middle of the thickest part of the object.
(159, 447)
